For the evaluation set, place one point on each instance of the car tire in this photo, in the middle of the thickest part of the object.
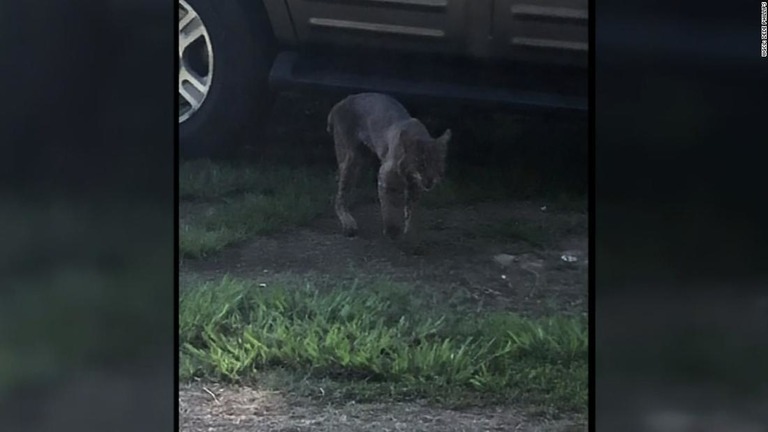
(237, 44)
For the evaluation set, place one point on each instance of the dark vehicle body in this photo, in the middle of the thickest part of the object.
(529, 55)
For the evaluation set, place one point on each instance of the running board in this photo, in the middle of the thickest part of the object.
(286, 75)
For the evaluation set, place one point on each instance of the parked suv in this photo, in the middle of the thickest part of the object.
(233, 54)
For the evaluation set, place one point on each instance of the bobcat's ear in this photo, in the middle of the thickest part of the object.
(442, 142)
(446, 137)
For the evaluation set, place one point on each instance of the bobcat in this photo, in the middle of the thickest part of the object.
(411, 160)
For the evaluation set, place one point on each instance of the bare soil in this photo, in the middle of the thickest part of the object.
(234, 409)
(451, 249)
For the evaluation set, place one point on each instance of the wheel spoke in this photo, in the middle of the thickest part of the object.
(189, 15)
(193, 30)
(192, 87)
(188, 96)
(200, 83)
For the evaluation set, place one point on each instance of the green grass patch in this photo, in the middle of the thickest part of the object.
(472, 186)
(224, 203)
(202, 238)
(240, 202)
(379, 339)
(205, 179)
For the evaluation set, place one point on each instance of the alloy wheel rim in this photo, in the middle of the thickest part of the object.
(195, 62)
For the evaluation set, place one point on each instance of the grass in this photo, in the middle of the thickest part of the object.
(223, 204)
(374, 338)
(204, 179)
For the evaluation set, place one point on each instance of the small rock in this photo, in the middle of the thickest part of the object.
(571, 256)
(505, 259)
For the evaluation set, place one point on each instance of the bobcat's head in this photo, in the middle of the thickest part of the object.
(422, 157)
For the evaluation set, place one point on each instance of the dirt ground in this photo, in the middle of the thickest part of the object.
(454, 249)
(212, 408)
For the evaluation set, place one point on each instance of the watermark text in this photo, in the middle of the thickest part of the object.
(764, 29)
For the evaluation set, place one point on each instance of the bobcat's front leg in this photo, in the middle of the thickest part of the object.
(392, 197)
(411, 198)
